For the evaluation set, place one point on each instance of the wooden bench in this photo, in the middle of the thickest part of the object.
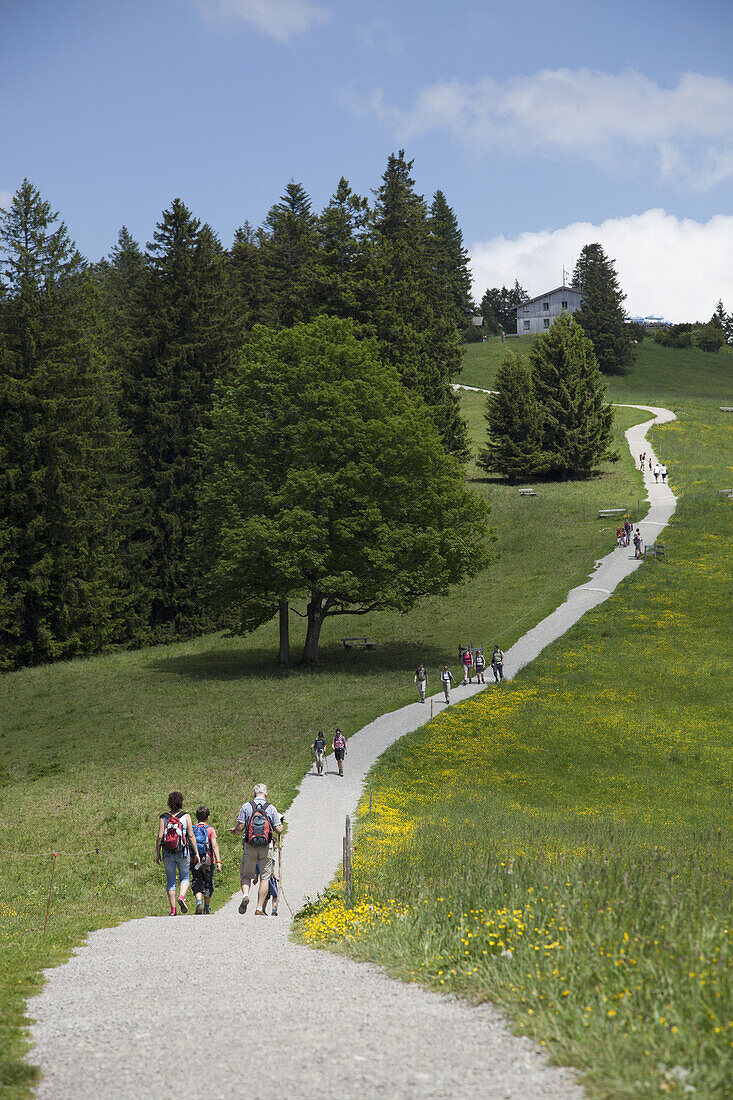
(603, 512)
(527, 493)
(726, 408)
(726, 491)
(658, 549)
(358, 643)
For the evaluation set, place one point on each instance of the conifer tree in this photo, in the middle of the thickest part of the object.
(188, 345)
(412, 312)
(450, 259)
(289, 255)
(601, 314)
(341, 258)
(61, 587)
(577, 421)
(248, 293)
(719, 317)
(513, 418)
(499, 307)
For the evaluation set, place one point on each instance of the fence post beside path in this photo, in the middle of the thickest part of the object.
(132, 893)
(94, 882)
(347, 860)
(50, 889)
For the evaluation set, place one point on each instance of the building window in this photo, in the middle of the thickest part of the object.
(525, 309)
(526, 326)
(546, 306)
(546, 322)
(563, 305)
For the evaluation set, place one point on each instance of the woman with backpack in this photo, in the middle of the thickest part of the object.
(175, 844)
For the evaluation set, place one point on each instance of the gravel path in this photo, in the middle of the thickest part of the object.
(156, 1006)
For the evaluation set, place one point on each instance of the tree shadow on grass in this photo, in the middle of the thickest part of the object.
(242, 664)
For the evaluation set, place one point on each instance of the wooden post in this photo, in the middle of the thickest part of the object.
(347, 859)
(431, 708)
(370, 798)
(50, 889)
(132, 894)
(94, 883)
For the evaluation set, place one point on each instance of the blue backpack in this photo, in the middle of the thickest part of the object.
(201, 832)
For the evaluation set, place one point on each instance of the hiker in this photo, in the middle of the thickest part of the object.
(480, 662)
(637, 543)
(467, 662)
(628, 529)
(175, 843)
(202, 878)
(497, 664)
(259, 821)
(339, 750)
(650, 463)
(641, 461)
(663, 472)
(619, 537)
(447, 679)
(273, 890)
(657, 472)
(319, 748)
(421, 679)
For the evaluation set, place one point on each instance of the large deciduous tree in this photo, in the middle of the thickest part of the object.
(325, 481)
(601, 313)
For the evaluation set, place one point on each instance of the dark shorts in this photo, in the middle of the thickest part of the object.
(339, 753)
(202, 881)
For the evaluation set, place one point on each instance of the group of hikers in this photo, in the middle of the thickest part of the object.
(654, 467)
(624, 538)
(340, 750)
(471, 659)
(192, 850)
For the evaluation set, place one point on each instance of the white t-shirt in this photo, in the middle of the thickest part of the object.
(245, 814)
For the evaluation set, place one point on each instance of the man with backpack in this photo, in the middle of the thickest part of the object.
(480, 662)
(202, 877)
(421, 679)
(497, 664)
(319, 749)
(259, 821)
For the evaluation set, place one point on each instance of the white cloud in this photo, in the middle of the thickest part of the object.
(676, 267)
(280, 19)
(604, 117)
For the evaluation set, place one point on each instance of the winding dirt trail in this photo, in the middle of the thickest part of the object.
(157, 1007)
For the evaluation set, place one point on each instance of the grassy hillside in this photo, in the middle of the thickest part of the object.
(562, 845)
(662, 376)
(92, 747)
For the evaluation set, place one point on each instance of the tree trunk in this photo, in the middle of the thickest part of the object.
(315, 622)
(284, 654)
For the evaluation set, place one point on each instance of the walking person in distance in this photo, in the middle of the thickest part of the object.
(202, 878)
(446, 679)
(497, 664)
(480, 663)
(467, 662)
(260, 822)
(339, 750)
(319, 749)
(421, 679)
(174, 844)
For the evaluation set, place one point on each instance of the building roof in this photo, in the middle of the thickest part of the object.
(528, 301)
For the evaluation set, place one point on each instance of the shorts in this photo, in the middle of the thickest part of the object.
(339, 753)
(251, 854)
(202, 881)
(171, 860)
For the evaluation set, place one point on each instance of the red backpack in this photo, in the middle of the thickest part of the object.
(174, 836)
(259, 829)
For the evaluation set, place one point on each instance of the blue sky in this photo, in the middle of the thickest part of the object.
(546, 125)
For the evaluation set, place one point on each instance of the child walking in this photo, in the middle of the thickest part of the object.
(202, 877)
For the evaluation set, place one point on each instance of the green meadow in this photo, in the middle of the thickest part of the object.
(562, 845)
(92, 747)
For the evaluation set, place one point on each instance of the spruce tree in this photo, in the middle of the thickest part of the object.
(248, 293)
(289, 255)
(577, 421)
(187, 345)
(450, 259)
(719, 317)
(411, 310)
(601, 313)
(62, 590)
(513, 418)
(499, 308)
(340, 269)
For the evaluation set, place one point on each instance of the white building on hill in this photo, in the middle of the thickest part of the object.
(537, 314)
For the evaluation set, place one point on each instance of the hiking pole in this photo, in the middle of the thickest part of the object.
(50, 890)
(280, 873)
(94, 882)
